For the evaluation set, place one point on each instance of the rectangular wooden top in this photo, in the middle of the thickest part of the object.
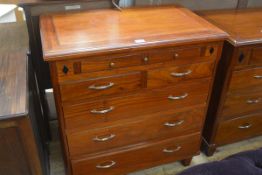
(244, 25)
(13, 85)
(103, 31)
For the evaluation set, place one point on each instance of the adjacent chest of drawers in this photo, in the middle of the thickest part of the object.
(235, 111)
(131, 87)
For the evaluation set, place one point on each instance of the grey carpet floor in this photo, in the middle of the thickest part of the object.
(57, 166)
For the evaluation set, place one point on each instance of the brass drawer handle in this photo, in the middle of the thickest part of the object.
(182, 74)
(171, 97)
(246, 126)
(109, 165)
(104, 111)
(258, 76)
(255, 101)
(94, 87)
(174, 124)
(104, 139)
(172, 150)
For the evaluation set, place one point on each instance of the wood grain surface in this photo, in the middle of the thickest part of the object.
(13, 85)
(109, 30)
(13, 68)
(243, 25)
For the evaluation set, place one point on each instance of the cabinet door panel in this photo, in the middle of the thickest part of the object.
(12, 155)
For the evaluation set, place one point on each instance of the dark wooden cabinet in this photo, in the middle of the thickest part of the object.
(23, 150)
(131, 92)
(235, 111)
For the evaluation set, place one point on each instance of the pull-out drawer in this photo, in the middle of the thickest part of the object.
(173, 75)
(256, 58)
(94, 64)
(196, 54)
(248, 78)
(159, 127)
(239, 129)
(139, 157)
(101, 87)
(145, 103)
(248, 56)
(242, 103)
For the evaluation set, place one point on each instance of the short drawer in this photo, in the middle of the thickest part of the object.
(239, 129)
(242, 103)
(242, 58)
(174, 74)
(101, 87)
(161, 126)
(93, 114)
(248, 78)
(140, 157)
(256, 57)
(93, 64)
(195, 54)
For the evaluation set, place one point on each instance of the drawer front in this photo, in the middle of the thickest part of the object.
(256, 58)
(174, 75)
(196, 54)
(192, 54)
(102, 87)
(162, 126)
(239, 129)
(242, 58)
(98, 64)
(242, 103)
(140, 157)
(140, 104)
(248, 78)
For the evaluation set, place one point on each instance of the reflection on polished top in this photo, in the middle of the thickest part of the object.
(100, 31)
(244, 26)
(13, 63)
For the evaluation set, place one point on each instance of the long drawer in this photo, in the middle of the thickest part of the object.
(248, 78)
(239, 129)
(173, 98)
(159, 127)
(243, 102)
(139, 157)
(175, 74)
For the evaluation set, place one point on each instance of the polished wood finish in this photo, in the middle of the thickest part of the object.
(240, 78)
(155, 101)
(139, 130)
(172, 75)
(125, 106)
(242, 103)
(12, 74)
(236, 100)
(139, 157)
(19, 149)
(241, 24)
(113, 33)
(118, 84)
(239, 128)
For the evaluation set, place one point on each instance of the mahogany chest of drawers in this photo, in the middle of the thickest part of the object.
(131, 87)
(235, 112)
